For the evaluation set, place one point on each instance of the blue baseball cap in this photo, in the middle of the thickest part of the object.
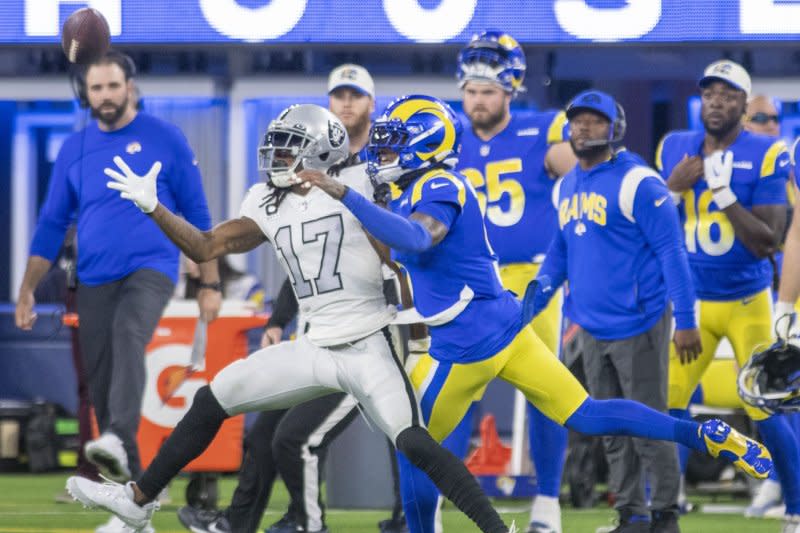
(596, 101)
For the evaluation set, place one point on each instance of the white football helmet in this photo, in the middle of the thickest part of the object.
(309, 136)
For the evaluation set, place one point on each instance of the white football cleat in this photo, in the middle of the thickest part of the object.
(791, 523)
(108, 453)
(112, 497)
(777, 512)
(115, 525)
(767, 495)
(545, 515)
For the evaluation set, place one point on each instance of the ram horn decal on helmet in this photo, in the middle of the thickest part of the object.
(493, 57)
(422, 131)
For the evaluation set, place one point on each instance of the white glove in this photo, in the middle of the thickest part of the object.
(785, 321)
(718, 169)
(141, 190)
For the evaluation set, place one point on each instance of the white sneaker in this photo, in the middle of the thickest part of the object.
(791, 524)
(437, 518)
(777, 512)
(115, 525)
(767, 495)
(545, 515)
(112, 497)
(684, 505)
(108, 453)
(164, 497)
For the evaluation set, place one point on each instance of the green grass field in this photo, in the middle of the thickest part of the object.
(27, 506)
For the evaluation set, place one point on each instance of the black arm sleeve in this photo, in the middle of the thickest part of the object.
(284, 308)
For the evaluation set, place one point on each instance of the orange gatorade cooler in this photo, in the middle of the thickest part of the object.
(172, 380)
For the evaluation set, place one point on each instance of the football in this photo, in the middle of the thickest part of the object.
(85, 36)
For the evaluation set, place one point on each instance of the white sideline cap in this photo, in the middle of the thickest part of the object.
(728, 71)
(353, 76)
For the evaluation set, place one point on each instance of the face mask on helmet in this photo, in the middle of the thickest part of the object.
(302, 137)
(388, 139)
(771, 379)
(493, 57)
(278, 155)
(414, 133)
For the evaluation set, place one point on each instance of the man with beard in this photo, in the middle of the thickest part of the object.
(730, 187)
(127, 268)
(513, 160)
(480, 331)
(293, 442)
(351, 97)
(616, 225)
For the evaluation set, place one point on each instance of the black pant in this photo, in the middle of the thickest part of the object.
(117, 320)
(291, 443)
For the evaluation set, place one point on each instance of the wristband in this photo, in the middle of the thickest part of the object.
(724, 198)
(419, 345)
(676, 197)
(783, 308)
(213, 285)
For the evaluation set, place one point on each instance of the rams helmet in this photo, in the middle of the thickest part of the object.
(771, 379)
(493, 56)
(422, 130)
(310, 134)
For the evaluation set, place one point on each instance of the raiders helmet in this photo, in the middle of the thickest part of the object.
(309, 136)
(771, 379)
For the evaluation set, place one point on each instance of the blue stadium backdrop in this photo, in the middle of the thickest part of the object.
(397, 21)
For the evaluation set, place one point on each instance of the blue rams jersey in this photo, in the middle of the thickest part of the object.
(722, 267)
(513, 187)
(796, 160)
(457, 280)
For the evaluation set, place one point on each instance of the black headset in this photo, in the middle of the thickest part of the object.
(618, 127)
(620, 124)
(78, 75)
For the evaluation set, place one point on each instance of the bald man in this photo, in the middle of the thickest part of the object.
(762, 116)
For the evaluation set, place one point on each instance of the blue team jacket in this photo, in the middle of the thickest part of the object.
(619, 247)
(114, 237)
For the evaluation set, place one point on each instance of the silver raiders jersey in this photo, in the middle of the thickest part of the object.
(334, 270)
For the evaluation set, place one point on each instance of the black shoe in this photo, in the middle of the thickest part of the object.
(628, 523)
(287, 524)
(393, 526)
(202, 521)
(538, 527)
(664, 522)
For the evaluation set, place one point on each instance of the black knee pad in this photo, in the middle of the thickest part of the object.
(207, 404)
(416, 442)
